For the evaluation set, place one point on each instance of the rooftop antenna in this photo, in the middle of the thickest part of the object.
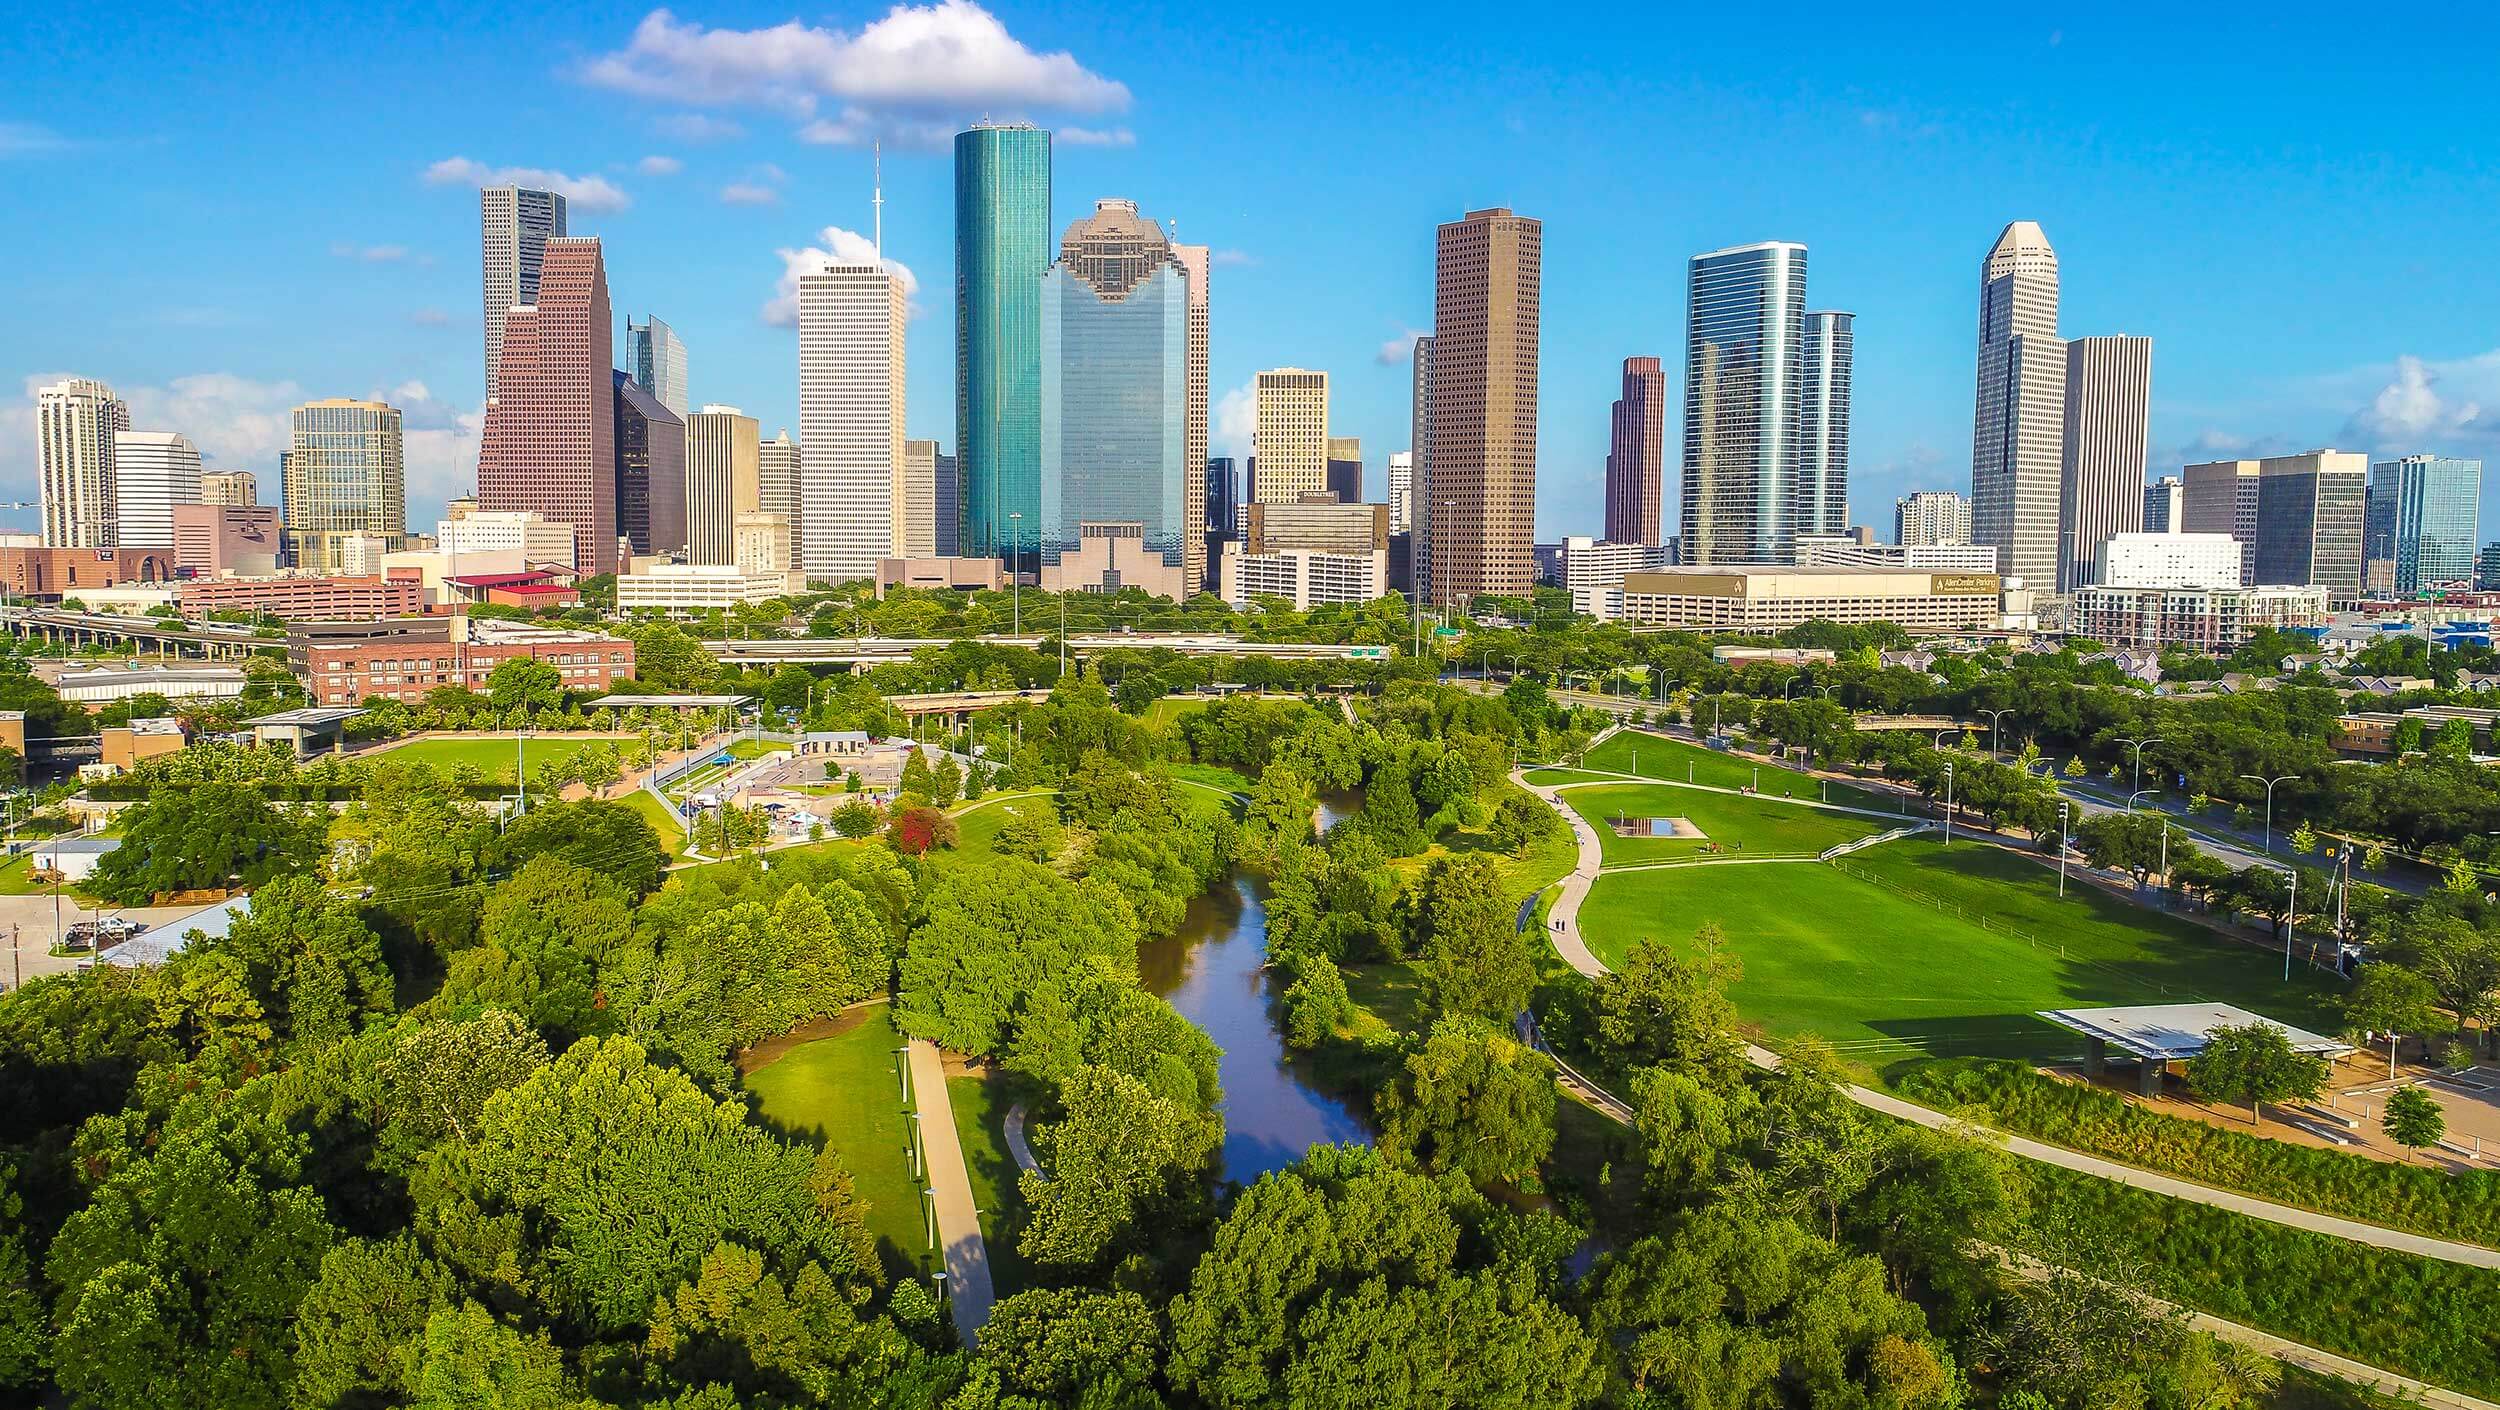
(876, 158)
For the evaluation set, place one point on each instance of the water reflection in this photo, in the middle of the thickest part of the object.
(1212, 972)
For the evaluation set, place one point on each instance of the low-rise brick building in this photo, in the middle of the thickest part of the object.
(305, 599)
(403, 659)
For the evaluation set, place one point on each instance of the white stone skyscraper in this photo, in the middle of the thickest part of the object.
(515, 223)
(850, 493)
(2018, 424)
(152, 472)
(77, 423)
(777, 484)
(2109, 390)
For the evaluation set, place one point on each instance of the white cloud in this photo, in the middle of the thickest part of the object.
(31, 139)
(430, 318)
(741, 193)
(589, 195)
(857, 127)
(1237, 420)
(698, 127)
(1400, 348)
(838, 244)
(766, 171)
(1224, 259)
(656, 165)
(1094, 137)
(371, 254)
(920, 66)
(2422, 402)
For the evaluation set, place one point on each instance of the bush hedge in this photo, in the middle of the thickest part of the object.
(2416, 1316)
(2420, 1198)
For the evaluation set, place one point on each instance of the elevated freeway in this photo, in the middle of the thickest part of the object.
(874, 650)
(164, 636)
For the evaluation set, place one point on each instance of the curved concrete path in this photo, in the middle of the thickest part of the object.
(968, 1284)
(1563, 929)
(1017, 1145)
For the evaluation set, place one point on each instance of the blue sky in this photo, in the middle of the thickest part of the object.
(222, 213)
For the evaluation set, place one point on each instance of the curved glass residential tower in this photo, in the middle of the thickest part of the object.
(1002, 250)
(1743, 376)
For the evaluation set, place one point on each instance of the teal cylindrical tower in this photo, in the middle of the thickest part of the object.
(1002, 250)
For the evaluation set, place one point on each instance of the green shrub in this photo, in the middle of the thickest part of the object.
(2419, 1198)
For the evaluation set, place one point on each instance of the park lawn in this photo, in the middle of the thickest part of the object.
(1890, 980)
(981, 1099)
(978, 823)
(672, 833)
(491, 757)
(843, 1090)
(1213, 776)
(1657, 756)
(1754, 826)
(1388, 998)
(1547, 862)
(17, 876)
(1167, 712)
(755, 748)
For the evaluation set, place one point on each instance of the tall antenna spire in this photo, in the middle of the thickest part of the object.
(876, 157)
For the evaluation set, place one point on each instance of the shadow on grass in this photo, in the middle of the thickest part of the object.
(1931, 1036)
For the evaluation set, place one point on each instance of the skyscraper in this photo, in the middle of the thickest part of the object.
(658, 362)
(724, 479)
(1823, 424)
(516, 223)
(1488, 273)
(550, 439)
(1222, 515)
(347, 478)
(2019, 418)
(2309, 519)
(1345, 468)
(850, 419)
(2220, 497)
(152, 472)
(1419, 503)
(1291, 441)
(1002, 251)
(2109, 388)
(2423, 520)
(921, 499)
(1401, 490)
(2165, 506)
(1636, 454)
(76, 425)
(1744, 376)
(651, 470)
(1121, 331)
(1930, 517)
(777, 484)
(230, 487)
(1198, 262)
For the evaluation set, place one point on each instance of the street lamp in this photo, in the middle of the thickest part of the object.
(2132, 797)
(2139, 755)
(2269, 783)
(1948, 803)
(2065, 839)
(1015, 569)
(1995, 717)
(1940, 734)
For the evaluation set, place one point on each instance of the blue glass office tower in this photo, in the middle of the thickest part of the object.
(1115, 386)
(2422, 520)
(1002, 252)
(1743, 398)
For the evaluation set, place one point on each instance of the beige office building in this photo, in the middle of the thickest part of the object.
(1481, 474)
(2109, 389)
(1775, 599)
(237, 488)
(1291, 445)
(724, 479)
(920, 499)
(2018, 421)
(346, 484)
(777, 484)
(1319, 524)
(76, 424)
(763, 543)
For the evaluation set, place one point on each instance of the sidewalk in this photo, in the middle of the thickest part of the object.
(959, 1222)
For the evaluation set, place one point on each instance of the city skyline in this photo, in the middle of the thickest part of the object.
(696, 245)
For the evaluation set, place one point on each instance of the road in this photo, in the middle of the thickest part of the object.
(28, 921)
(1563, 928)
(958, 1218)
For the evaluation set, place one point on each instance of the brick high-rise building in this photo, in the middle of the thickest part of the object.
(550, 441)
(1482, 471)
(1636, 461)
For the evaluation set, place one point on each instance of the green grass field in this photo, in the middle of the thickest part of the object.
(1549, 861)
(981, 1102)
(843, 1091)
(978, 824)
(1655, 756)
(491, 757)
(1758, 826)
(17, 876)
(1889, 979)
(1166, 713)
(1213, 776)
(672, 832)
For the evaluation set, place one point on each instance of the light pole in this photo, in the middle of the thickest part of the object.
(1789, 685)
(2132, 797)
(2269, 783)
(2139, 755)
(2291, 921)
(1995, 717)
(2064, 840)
(1015, 570)
(1940, 734)
(1948, 803)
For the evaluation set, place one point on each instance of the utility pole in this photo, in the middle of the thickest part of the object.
(2064, 840)
(2291, 922)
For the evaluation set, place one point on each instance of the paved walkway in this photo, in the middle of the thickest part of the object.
(1017, 1145)
(1563, 928)
(958, 1220)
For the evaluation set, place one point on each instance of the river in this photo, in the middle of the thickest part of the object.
(1213, 972)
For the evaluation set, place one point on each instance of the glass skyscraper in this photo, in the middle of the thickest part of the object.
(1823, 424)
(1743, 394)
(1002, 252)
(1115, 377)
(2423, 519)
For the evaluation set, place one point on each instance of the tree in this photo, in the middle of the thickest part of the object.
(989, 936)
(1474, 1100)
(1518, 821)
(1476, 961)
(1662, 1009)
(525, 683)
(2413, 1119)
(370, 1299)
(2253, 1063)
(1063, 1344)
(2391, 999)
(315, 968)
(1315, 1003)
(1119, 1152)
(2461, 963)
(207, 836)
(1390, 813)
(609, 838)
(919, 781)
(916, 828)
